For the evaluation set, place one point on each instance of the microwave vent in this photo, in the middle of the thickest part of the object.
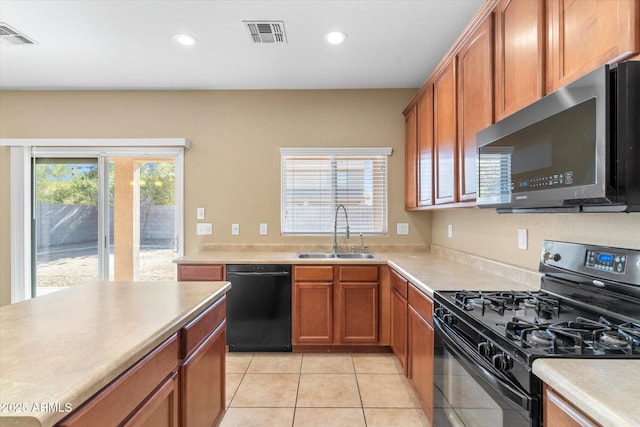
(271, 32)
(11, 36)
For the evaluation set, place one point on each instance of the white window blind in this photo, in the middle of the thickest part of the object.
(315, 181)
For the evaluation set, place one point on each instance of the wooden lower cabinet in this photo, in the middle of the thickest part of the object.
(312, 315)
(128, 397)
(420, 343)
(161, 409)
(179, 383)
(335, 305)
(202, 378)
(200, 272)
(558, 412)
(399, 318)
(358, 312)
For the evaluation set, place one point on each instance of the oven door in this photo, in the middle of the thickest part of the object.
(470, 392)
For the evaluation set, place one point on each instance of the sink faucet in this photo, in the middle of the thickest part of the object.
(335, 227)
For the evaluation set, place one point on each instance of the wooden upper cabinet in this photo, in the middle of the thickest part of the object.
(519, 65)
(444, 133)
(410, 156)
(425, 148)
(582, 35)
(475, 102)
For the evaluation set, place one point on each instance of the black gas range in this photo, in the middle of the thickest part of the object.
(588, 306)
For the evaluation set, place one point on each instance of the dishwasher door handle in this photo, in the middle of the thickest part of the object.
(263, 274)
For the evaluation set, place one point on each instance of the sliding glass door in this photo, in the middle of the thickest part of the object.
(102, 218)
(65, 223)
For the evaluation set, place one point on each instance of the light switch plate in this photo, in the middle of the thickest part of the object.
(402, 229)
(204, 228)
(522, 238)
(200, 213)
(263, 229)
(235, 229)
(450, 231)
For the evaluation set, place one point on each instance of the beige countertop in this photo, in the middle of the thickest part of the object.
(606, 390)
(60, 349)
(437, 269)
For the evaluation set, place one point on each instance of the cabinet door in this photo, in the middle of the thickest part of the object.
(160, 409)
(203, 382)
(312, 315)
(560, 413)
(475, 102)
(519, 77)
(425, 148)
(399, 328)
(421, 360)
(358, 315)
(444, 134)
(200, 272)
(410, 158)
(586, 34)
(119, 400)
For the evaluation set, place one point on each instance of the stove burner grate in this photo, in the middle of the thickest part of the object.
(580, 336)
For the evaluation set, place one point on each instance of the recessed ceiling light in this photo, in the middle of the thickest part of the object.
(335, 37)
(185, 39)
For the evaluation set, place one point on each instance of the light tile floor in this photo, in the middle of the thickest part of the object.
(323, 390)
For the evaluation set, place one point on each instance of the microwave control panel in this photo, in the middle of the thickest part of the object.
(536, 183)
(606, 261)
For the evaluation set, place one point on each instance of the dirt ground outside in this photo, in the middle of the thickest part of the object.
(71, 266)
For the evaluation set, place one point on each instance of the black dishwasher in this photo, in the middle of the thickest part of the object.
(259, 307)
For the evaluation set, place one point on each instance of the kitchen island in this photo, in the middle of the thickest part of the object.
(59, 350)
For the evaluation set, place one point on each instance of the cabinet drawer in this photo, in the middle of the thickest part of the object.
(422, 304)
(367, 273)
(313, 273)
(117, 401)
(200, 272)
(399, 283)
(194, 332)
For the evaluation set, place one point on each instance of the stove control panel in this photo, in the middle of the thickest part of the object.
(606, 261)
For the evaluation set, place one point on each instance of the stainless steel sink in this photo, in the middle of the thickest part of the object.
(316, 255)
(356, 256)
(324, 255)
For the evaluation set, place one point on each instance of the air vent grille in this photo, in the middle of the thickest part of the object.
(266, 31)
(10, 35)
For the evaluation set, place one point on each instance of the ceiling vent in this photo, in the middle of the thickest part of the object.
(11, 36)
(266, 31)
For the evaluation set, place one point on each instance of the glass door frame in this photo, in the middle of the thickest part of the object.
(22, 152)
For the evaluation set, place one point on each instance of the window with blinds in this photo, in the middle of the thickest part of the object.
(315, 181)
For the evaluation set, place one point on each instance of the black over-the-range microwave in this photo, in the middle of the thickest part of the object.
(575, 150)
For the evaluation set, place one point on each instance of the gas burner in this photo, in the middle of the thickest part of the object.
(613, 339)
(540, 338)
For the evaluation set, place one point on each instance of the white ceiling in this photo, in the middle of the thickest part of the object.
(128, 44)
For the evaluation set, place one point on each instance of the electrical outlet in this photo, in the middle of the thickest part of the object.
(235, 229)
(402, 229)
(200, 213)
(204, 228)
(450, 231)
(263, 229)
(522, 238)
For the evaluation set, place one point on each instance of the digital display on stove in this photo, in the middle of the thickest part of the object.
(605, 258)
(606, 261)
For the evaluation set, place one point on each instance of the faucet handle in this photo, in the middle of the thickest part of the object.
(363, 248)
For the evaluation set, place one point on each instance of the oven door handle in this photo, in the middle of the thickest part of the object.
(468, 355)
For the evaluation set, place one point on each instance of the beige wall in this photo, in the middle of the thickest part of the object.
(484, 232)
(236, 136)
(233, 167)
